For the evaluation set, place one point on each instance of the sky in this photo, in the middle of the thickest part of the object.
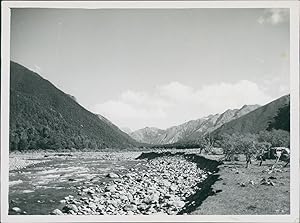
(157, 67)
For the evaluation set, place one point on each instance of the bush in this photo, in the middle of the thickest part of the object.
(239, 144)
(277, 138)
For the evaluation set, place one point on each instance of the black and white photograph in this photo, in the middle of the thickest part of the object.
(154, 112)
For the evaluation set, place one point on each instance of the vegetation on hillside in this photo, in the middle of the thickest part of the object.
(43, 117)
(282, 119)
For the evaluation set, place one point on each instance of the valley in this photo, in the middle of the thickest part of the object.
(66, 160)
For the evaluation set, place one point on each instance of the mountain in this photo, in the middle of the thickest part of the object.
(149, 135)
(275, 114)
(44, 117)
(191, 129)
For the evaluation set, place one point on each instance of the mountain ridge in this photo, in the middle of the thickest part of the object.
(190, 129)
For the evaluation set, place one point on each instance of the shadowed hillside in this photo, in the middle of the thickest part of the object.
(44, 117)
(275, 115)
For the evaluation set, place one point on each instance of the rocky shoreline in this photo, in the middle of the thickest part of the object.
(160, 186)
(18, 160)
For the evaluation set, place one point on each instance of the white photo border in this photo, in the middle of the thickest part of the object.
(294, 93)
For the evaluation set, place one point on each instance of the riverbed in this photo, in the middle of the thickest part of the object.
(107, 183)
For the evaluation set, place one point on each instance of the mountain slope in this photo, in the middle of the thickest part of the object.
(191, 129)
(44, 117)
(149, 135)
(259, 119)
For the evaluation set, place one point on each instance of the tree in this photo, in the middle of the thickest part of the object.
(277, 138)
(239, 144)
(281, 120)
(246, 144)
(227, 142)
(201, 143)
(209, 142)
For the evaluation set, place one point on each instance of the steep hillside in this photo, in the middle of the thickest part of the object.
(44, 117)
(272, 115)
(191, 129)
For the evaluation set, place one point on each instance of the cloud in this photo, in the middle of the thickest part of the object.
(176, 91)
(274, 16)
(276, 86)
(121, 109)
(175, 103)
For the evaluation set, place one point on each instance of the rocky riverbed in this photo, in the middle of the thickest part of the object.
(159, 186)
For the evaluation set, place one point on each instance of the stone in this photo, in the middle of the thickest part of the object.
(17, 209)
(173, 187)
(130, 197)
(100, 207)
(111, 188)
(153, 198)
(93, 206)
(72, 212)
(142, 206)
(91, 191)
(166, 183)
(112, 175)
(177, 204)
(152, 210)
(130, 207)
(123, 197)
(56, 212)
(69, 207)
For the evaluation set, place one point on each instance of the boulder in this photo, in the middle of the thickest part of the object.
(178, 204)
(56, 212)
(111, 188)
(112, 175)
(69, 207)
(130, 207)
(17, 209)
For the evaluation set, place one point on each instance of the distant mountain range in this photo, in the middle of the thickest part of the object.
(190, 129)
(275, 114)
(44, 117)
(248, 119)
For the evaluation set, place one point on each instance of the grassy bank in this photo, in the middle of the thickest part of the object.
(240, 191)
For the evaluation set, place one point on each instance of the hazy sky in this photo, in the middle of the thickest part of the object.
(157, 67)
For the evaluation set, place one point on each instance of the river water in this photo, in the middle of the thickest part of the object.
(38, 189)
